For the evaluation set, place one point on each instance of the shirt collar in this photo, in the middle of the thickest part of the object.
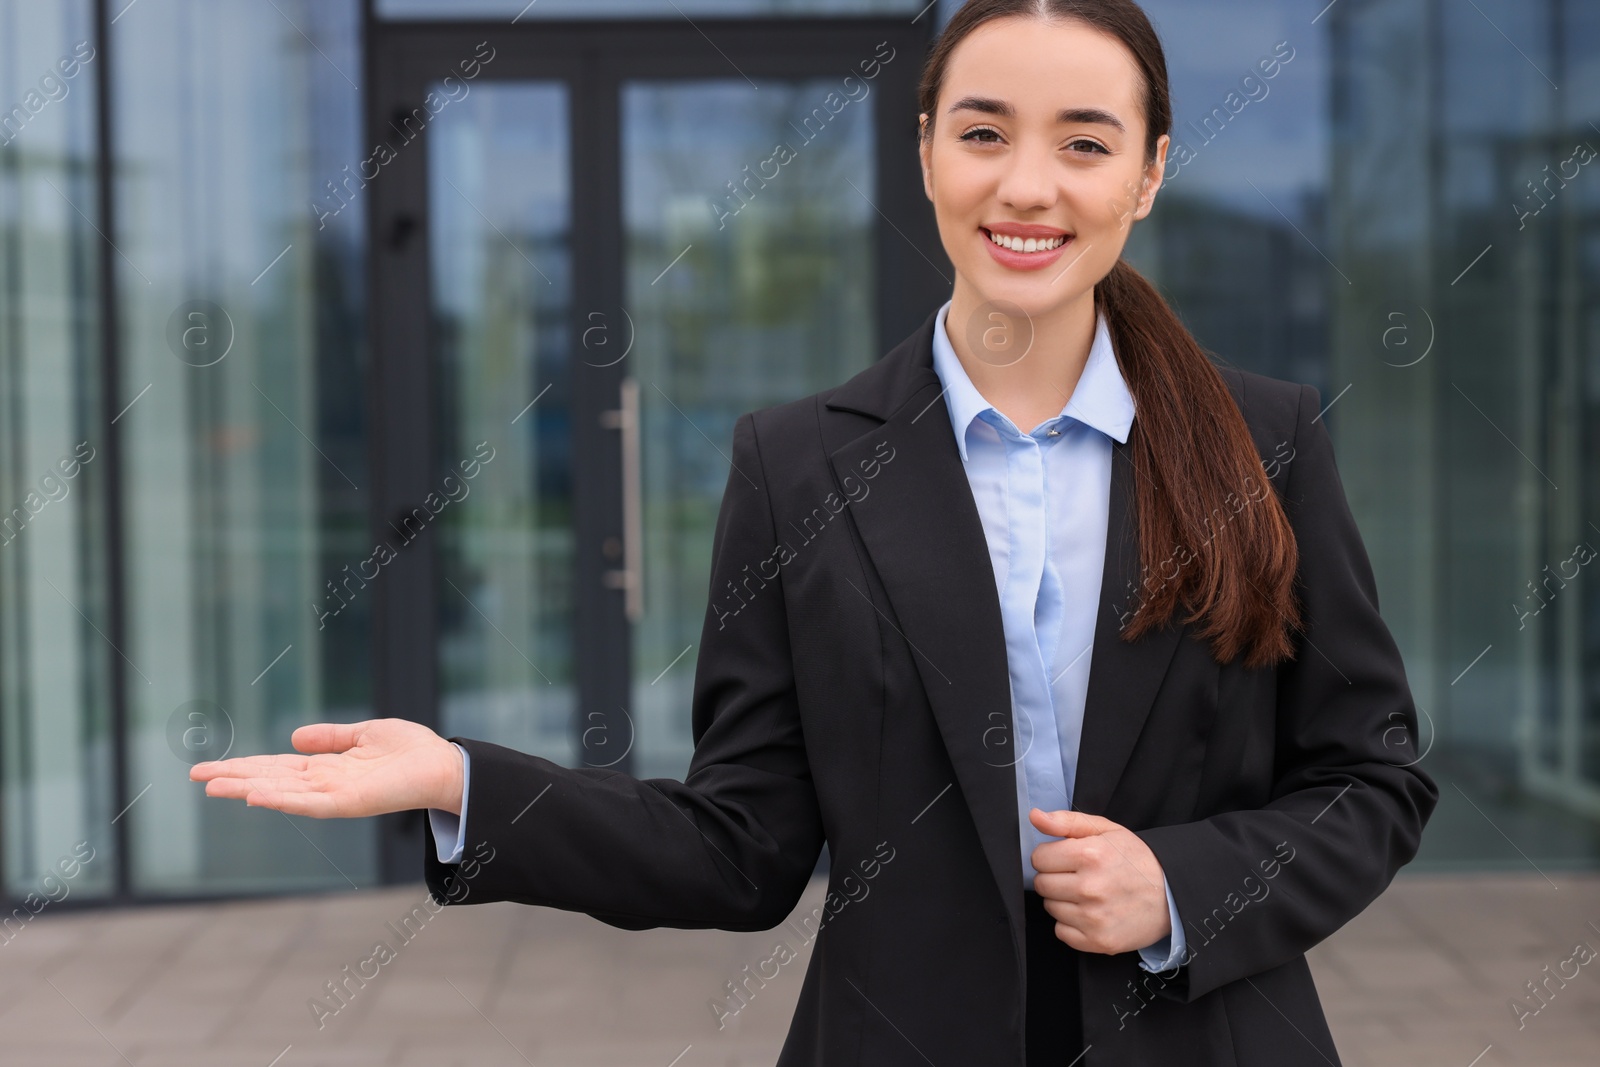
(1100, 399)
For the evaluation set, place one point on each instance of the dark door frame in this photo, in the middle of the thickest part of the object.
(594, 59)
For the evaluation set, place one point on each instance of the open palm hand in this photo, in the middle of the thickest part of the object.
(349, 771)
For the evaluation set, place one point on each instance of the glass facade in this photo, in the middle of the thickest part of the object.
(1392, 200)
(55, 684)
(240, 306)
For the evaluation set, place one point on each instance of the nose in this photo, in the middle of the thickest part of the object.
(1028, 183)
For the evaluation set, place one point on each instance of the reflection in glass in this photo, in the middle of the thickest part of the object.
(54, 683)
(500, 218)
(240, 302)
(1461, 335)
(1377, 219)
(745, 292)
(1380, 220)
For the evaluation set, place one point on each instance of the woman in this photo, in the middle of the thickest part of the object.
(1102, 733)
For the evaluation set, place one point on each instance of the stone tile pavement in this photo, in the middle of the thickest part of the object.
(1424, 977)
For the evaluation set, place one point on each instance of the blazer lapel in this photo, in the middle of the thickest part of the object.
(922, 530)
(1123, 677)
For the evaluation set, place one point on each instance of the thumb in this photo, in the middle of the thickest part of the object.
(325, 737)
(1069, 823)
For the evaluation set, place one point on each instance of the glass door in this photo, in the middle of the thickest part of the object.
(597, 247)
(750, 276)
(500, 279)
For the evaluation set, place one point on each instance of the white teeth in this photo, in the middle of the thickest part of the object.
(1025, 245)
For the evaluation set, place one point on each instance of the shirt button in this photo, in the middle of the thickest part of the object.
(1052, 433)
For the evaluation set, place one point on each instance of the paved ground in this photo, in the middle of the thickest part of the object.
(1424, 977)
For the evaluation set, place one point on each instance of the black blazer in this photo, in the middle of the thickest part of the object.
(852, 688)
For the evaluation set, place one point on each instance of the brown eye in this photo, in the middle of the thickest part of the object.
(979, 136)
(1089, 146)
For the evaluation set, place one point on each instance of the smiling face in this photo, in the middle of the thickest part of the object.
(1036, 165)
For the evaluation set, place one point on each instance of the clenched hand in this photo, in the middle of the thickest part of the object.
(1100, 882)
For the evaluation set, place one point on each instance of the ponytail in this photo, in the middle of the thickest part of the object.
(1213, 535)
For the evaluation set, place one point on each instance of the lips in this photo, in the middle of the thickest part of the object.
(1028, 244)
(1019, 246)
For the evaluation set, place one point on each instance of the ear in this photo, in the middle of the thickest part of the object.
(925, 153)
(1153, 176)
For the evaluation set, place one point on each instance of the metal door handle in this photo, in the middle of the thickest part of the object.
(630, 578)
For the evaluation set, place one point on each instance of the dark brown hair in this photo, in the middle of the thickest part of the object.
(1193, 453)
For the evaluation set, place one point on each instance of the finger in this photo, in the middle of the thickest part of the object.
(326, 737)
(1075, 937)
(1067, 888)
(313, 803)
(1075, 925)
(316, 805)
(1069, 912)
(1072, 916)
(1068, 823)
(1060, 857)
(247, 767)
(241, 788)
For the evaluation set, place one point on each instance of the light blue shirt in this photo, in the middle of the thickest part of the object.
(452, 828)
(1044, 498)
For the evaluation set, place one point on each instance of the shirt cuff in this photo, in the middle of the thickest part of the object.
(1168, 953)
(453, 828)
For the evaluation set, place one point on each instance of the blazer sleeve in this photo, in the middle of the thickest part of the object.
(1258, 888)
(733, 845)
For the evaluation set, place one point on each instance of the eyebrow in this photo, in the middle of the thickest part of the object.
(1071, 116)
